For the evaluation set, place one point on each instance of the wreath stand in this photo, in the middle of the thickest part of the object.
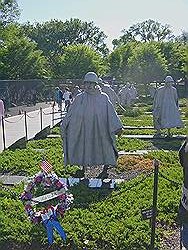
(56, 197)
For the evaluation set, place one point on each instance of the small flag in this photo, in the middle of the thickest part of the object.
(46, 166)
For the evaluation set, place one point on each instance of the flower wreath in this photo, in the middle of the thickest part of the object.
(59, 195)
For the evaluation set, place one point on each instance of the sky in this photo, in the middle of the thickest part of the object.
(111, 16)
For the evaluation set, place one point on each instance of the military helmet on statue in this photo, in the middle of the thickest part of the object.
(169, 79)
(91, 77)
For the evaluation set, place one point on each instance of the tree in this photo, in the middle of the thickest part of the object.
(175, 55)
(146, 31)
(147, 64)
(126, 38)
(77, 60)
(53, 36)
(20, 57)
(9, 11)
(183, 38)
(118, 60)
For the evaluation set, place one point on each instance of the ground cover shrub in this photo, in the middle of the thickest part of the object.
(55, 130)
(174, 131)
(107, 219)
(117, 219)
(127, 144)
(145, 100)
(149, 108)
(21, 162)
(27, 161)
(130, 111)
(147, 120)
(139, 131)
(142, 120)
(140, 104)
(183, 102)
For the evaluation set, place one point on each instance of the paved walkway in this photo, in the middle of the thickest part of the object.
(15, 125)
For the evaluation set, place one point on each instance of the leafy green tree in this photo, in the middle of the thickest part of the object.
(118, 60)
(53, 36)
(77, 60)
(183, 38)
(146, 31)
(126, 38)
(147, 64)
(9, 11)
(20, 57)
(175, 55)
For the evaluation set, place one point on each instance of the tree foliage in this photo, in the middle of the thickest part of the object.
(146, 31)
(9, 11)
(183, 38)
(118, 60)
(20, 58)
(77, 60)
(138, 62)
(175, 55)
(53, 36)
(147, 64)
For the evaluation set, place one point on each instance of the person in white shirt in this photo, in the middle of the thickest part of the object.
(67, 97)
(76, 91)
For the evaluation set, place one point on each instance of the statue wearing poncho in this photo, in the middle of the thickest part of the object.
(109, 91)
(165, 107)
(89, 128)
(125, 95)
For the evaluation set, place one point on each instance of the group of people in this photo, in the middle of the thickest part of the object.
(126, 96)
(67, 97)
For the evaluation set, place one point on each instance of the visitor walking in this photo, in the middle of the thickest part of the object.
(67, 98)
(58, 97)
(76, 91)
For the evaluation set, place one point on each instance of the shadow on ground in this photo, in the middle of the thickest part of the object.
(167, 144)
